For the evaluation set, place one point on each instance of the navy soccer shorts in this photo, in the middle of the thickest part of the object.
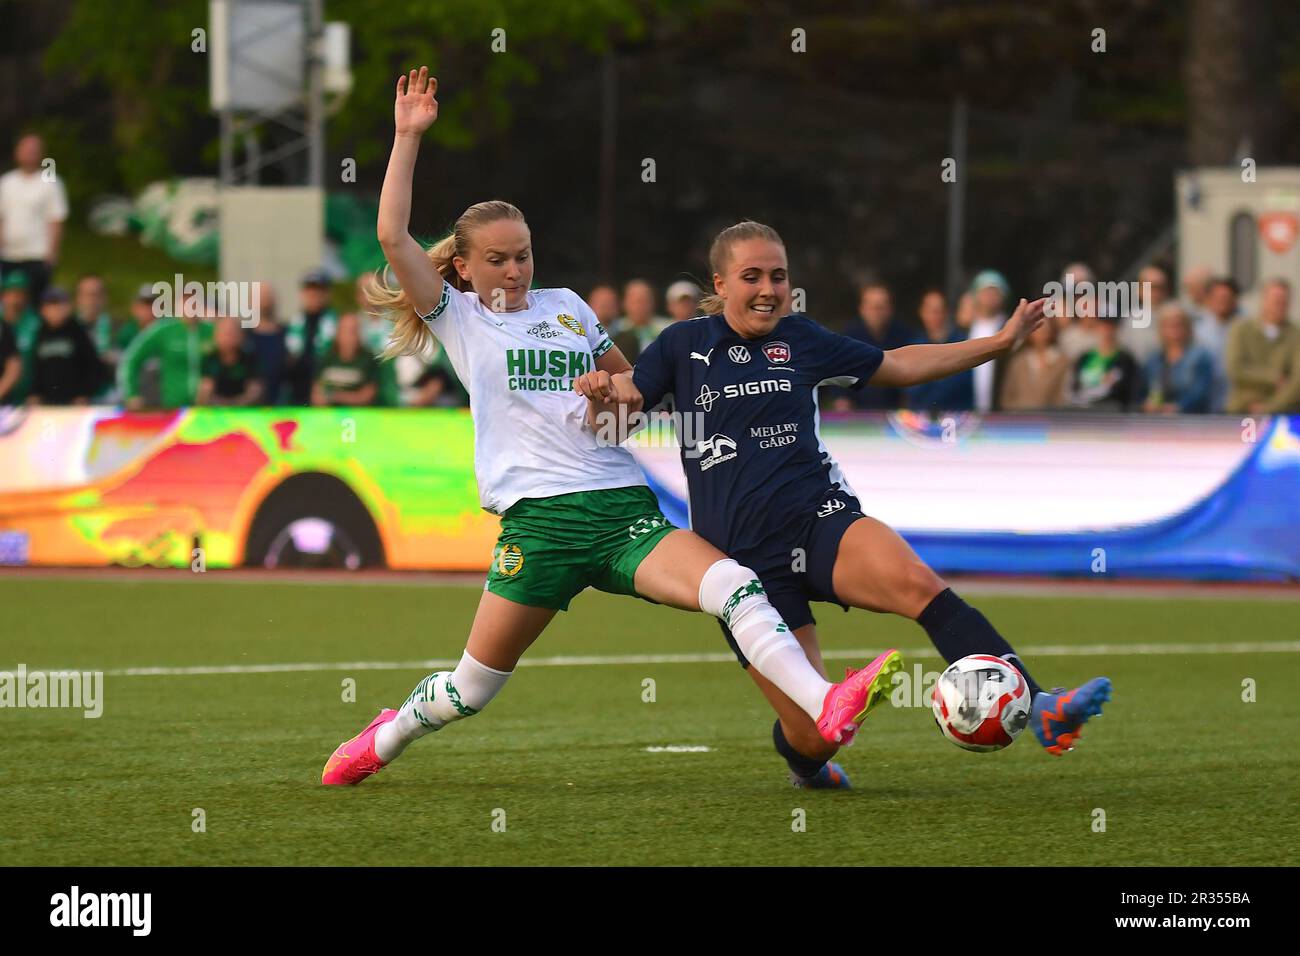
(796, 565)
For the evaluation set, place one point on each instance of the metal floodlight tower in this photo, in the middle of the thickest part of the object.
(272, 64)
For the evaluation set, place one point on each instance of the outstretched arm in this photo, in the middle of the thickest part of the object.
(915, 364)
(414, 112)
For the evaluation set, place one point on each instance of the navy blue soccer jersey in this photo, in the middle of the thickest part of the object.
(754, 461)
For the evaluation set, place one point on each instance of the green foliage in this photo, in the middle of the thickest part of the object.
(135, 59)
(455, 40)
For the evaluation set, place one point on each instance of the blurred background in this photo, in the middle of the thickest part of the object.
(926, 162)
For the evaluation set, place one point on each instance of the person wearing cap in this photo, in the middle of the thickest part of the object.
(683, 300)
(23, 325)
(638, 326)
(1107, 378)
(309, 335)
(33, 208)
(178, 344)
(65, 366)
(989, 294)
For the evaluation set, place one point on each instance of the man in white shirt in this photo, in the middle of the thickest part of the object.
(990, 292)
(33, 208)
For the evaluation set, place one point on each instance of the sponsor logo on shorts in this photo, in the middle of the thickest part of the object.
(715, 450)
(774, 436)
(778, 353)
(830, 507)
(643, 526)
(570, 323)
(544, 330)
(739, 354)
(510, 560)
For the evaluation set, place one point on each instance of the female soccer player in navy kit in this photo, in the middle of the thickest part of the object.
(764, 489)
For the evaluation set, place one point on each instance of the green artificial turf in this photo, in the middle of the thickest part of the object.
(1185, 771)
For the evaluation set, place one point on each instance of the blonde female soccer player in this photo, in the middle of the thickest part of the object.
(575, 512)
(779, 502)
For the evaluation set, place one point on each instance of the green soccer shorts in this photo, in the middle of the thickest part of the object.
(552, 548)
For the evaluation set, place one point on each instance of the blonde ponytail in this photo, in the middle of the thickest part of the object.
(410, 335)
(720, 255)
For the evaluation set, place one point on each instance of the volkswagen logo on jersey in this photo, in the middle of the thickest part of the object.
(739, 354)
(830, 506)
(707, 397)
(718, 449)
(778, 353)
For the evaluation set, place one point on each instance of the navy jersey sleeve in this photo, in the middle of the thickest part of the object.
(656, 369)
(840, 360)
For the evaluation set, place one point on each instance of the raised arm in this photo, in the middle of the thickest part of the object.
(915, 364)
(413, 112)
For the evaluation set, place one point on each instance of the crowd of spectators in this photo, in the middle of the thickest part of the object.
(1195, 355)
(1158, 354)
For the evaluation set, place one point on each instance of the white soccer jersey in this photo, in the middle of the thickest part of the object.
(531, 438)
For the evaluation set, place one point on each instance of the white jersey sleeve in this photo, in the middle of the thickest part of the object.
(597, 337)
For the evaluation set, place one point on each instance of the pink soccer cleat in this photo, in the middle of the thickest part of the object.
(355, 759)
(848, 702)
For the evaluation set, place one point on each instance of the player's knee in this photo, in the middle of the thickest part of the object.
(729, 589)
(919, 586)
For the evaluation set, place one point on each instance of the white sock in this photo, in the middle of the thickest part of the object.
(733, 593)
(437, 700)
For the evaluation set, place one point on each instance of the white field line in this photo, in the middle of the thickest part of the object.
(595, 660)
(679, 749)
(1113, 588)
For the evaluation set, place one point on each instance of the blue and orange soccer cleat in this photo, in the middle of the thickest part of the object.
(848, 702)
(1057, 718)
(830, 777)
(355, 759)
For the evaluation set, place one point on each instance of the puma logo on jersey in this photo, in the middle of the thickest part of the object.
(703, 358)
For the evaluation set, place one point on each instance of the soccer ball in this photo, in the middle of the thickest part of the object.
(981, 703)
